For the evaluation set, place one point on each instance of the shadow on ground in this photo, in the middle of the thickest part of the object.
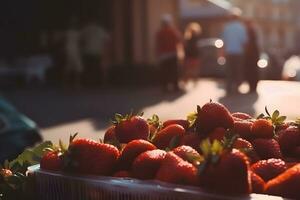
(241, 103)
(54, 107)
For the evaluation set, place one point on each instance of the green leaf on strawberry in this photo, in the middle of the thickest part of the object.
(275, 118)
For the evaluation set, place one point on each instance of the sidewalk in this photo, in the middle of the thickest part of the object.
(60, 114)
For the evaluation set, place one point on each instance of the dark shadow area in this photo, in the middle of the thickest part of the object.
(240, 103)
(54, 107)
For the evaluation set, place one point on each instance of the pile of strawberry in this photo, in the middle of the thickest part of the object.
(219, 151)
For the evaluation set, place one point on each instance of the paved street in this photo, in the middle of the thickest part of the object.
(60, 113)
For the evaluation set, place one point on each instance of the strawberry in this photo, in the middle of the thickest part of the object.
(184, 123)
(86, 156)
(52, 160)
(296, 152)
(258, 184)
(242, 144)
(267, 148)
(243, 128)
(262, 128)
(241, 115)
(130, 127)
(122, 174)
(110, 135)
(191, 139)
(289, 139)
(146, 165)
(268, 169)
(224, 169)
(232, 172)
(217, 134)
(174, 169)
(286, 184)
(5, 172)
(211, 116)
(164, 137)
(131, 151)
(246, 147)
(187, 153)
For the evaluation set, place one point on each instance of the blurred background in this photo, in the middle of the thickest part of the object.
(68, 66)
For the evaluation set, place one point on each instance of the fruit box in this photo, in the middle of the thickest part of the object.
(59, 186)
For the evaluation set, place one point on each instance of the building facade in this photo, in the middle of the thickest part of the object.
(277, 23)
(136, 22)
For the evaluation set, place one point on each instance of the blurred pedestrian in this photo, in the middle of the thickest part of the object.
(73, 63)
(235, 39)
(251, 57)
(95, 42)
(168, 42)
(192, 52)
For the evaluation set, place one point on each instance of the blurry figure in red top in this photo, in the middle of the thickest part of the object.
(192, 52)
(168, 42)
(251, 72)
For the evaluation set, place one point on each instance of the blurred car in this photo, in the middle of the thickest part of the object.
(212, 59)
(291, 69)
(17, 132)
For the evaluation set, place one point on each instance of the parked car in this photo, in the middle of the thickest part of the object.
(212, 59)
(17, 132)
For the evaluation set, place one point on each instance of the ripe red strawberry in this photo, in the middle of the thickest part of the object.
(184, 123)
(191, 139)
(296, 152)
(163, 138)
(146, 165)
(286, 184)
(130, 128)
(217, 134)
(224, 170)
(174, 169)
(110, 135)
(213, 115)
(241, 115)
(131, 151)
(258, 184)
(232, 173)
(122, 174)
(187, 153)
(268, 169)
(52, 160)
(262, 128)
(267, 148)
(243, 128)
(246, 147)
(289, 139)
(86, 156)
(242, 144)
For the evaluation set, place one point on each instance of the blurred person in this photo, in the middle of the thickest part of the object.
(251, 73)
(192, 52)
(235, 38)
(168, 41)
(73, 63)
(95, 47)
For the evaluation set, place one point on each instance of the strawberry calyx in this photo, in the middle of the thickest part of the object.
(118, 118)
(275, 118)
(193, 117)
(155, 121)
(211, 152)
